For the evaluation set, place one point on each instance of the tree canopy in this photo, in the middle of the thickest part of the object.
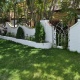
(40, 9)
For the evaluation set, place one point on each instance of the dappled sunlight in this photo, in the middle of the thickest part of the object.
(36, 65)
(33, 52)
(14, 75)
(4, 74)
(76, 76)
(38, 73)
(1, 56)
(18, 62)
(43, 56)
(66, 60)
(68, 69)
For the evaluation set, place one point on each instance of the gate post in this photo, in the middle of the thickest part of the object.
(53, 37)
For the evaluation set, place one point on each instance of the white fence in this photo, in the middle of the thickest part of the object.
(27, 31)
(31, 32)
(49, 30)
(74, 37)
(29, 43)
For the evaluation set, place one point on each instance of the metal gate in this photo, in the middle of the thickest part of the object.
(61, 36)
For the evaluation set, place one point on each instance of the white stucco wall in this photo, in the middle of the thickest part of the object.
(74, 37)
(11, 28)
(48, 30)
(27, 31)
(29, 43)
(31, 31)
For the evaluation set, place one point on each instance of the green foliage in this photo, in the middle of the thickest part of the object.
(28, 2)
(40, 1)
(10, 34)
(40, 33)
(70, 11)
(31, 38)
(20, 33)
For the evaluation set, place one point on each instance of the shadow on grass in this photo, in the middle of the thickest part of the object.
(19, 62)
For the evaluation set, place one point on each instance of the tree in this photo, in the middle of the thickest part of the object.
(42, 9)
(70, 9)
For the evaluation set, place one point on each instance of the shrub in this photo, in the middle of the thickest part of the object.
(3, 31)
(20, 33)
(40, 33)
(10, 34)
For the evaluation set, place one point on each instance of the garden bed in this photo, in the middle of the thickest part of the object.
(29, 43)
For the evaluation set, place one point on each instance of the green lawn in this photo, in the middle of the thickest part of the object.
(19, 62)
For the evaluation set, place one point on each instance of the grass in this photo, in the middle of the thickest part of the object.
(19, 62)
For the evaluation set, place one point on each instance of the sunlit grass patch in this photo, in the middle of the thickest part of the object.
(19, 62)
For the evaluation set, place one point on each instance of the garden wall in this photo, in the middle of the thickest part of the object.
(29, 43)
(74, 37)
(27, 31)
(31, 31)
(11, 28)
(49, 30)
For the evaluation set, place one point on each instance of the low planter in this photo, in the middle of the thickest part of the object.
(27, 42)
